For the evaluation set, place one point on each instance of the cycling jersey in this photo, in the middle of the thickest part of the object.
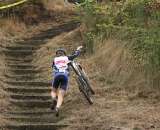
(60, 64)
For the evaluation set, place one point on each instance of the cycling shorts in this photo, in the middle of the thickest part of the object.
(60, 80)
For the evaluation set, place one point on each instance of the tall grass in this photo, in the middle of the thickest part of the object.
(134, 21)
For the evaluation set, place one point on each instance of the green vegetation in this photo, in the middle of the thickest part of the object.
(134, 21)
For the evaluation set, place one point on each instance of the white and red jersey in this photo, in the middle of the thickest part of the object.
(61, 64)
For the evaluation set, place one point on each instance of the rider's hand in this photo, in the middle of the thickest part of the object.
(79, 48)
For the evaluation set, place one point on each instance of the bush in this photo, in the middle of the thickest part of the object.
(134, 21)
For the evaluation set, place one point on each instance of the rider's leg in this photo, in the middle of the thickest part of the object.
(55, 84)
(61, 94)
(62, 90)
(63, 82)
(54, 99)
(54, 93)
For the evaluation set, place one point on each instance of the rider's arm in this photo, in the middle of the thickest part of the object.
(74, 55)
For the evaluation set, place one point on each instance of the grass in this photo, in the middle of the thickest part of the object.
(11, 26)
(134, 23)
(22, 18)
(58, 6)
(6, 2)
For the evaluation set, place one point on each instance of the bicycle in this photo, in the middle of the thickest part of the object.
(82, 80)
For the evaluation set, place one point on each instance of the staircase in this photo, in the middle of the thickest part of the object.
(29, 95)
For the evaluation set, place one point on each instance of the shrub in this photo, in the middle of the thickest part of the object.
(133, 21)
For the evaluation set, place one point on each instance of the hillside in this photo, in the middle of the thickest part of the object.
(124, 100)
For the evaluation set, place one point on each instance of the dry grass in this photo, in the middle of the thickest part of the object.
(12, 27)
(2, 37)
(120, 70)
(59, 6)
(54, 11)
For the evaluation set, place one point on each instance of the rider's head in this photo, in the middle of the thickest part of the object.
(60, 52)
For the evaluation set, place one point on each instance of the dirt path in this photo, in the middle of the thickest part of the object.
(29, 94)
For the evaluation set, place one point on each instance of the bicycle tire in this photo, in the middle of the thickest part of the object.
(84, 91)
(85, 78)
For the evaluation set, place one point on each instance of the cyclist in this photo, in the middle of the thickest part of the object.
(61, 75)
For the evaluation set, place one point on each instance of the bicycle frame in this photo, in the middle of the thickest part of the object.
(84, 86)
(74, 65)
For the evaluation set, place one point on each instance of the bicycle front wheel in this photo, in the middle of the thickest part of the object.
(84, 90)
(85, 78)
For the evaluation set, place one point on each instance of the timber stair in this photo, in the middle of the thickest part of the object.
(29, 94)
